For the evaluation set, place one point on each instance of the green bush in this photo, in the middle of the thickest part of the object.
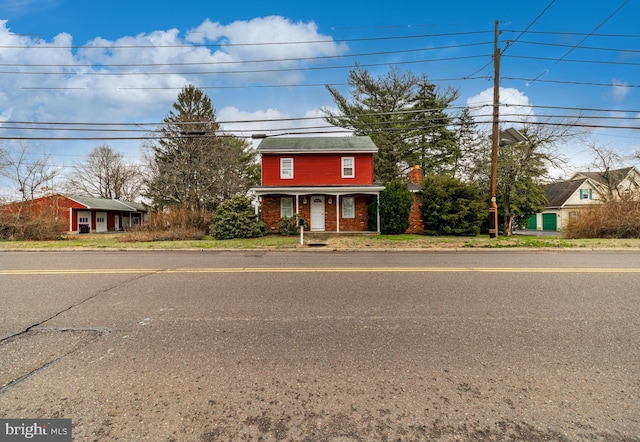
(451, 207)
(288, 225)
(395, 206)
(235, 218)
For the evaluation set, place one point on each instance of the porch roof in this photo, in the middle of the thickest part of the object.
(312, 190)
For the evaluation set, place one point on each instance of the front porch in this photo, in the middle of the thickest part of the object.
(341, 210)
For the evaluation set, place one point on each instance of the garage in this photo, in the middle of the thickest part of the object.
(549, 221)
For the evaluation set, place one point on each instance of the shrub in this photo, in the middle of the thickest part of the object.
(173, 224)
(450, 206)
(616, 219)
(395, 206)
(26, 225)
(235, 218)
(288, 225)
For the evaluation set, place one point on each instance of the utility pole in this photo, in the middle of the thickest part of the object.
(495, 140)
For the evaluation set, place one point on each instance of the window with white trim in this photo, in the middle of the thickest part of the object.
(286, 168)
(286, 207)
(348, 207)
(348, 167)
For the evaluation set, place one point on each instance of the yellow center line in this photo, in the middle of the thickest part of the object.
(327, 270)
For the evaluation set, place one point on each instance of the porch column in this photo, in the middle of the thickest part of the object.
(297, 204)
(378, 211)
(337, 213)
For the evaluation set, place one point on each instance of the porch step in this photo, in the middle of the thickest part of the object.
(316, 239)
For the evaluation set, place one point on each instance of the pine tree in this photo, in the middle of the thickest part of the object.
(390, 109)
(194, 165)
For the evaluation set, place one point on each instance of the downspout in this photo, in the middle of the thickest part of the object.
(70, 220)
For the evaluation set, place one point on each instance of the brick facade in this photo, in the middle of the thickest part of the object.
(270, 209)
(416, 223)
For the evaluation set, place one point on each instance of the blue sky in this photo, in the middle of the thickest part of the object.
(64, 62)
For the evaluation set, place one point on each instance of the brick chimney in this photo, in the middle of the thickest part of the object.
(415, 175)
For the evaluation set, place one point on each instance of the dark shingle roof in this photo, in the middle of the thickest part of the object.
(107, 204)
(352, 144)
(617, 175)
(558, 193)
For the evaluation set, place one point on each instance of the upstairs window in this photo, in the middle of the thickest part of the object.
(286, 168)
(586, 194)
(348, 167)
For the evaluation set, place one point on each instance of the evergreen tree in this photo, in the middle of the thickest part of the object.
(434, 143)
(450, 206)
(194, 165)
(391, 110)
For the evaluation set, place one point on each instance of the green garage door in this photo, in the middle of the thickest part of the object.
(549, 221)
(532, 222)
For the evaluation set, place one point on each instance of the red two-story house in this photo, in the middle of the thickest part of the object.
(327, 181)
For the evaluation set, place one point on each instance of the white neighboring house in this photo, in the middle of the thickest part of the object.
(583, 189)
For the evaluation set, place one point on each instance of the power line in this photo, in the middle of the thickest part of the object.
(248, 71)
(590, 48)
(577, 83)
(139, 126)
(583, 39)
(273, 43)
(253, 86)
(509, 43)
(274, 60)
(558, 60)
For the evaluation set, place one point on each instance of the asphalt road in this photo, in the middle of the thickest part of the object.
(324, 346)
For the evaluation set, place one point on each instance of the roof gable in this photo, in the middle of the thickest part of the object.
(352, 144)
(558, 193)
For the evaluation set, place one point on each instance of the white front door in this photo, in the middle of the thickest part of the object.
(101, 221)
(317, 213)
(116, 222)
(84, 221)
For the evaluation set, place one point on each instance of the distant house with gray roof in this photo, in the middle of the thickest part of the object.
(565, 199)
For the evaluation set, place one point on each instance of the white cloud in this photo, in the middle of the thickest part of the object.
(619, 90)
(271, 122)
(514, 107)
(55, 81)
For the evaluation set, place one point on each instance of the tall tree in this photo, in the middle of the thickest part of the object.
(434, 143)
(105, 174)
(194, 165)
(32, 174)
(391, 110)
(523, 168)
(473, 145)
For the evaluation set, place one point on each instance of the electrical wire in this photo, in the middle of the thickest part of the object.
(566, 54)
(229, 45)
(247, 71)
(274, 60)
